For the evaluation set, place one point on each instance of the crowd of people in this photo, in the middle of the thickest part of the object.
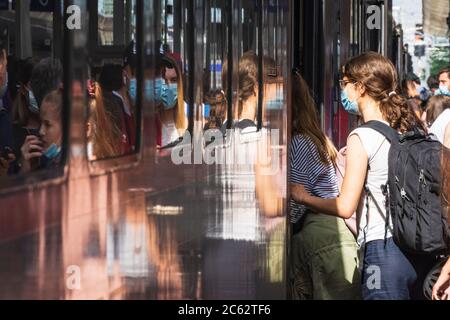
(328, 262)
(31, 109)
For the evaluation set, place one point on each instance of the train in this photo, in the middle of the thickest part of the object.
(140, 226)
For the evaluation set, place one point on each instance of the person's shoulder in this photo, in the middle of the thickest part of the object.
(302, 141)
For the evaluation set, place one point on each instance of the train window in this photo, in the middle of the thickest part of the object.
(113, 106)
(32, 130)
(116, 22)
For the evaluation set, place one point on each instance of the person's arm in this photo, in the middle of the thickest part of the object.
(355, 175)
(442, 284)
(447, 136)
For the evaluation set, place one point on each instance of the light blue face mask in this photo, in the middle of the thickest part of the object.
(32, 105)
(169, 95)
(52, 152)
(4, 87)
(349, 106)
(153, 90)
(277, 103)
(132, 90)
(443, 90)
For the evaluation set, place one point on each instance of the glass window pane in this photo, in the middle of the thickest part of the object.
(113, 109)
(31, 97)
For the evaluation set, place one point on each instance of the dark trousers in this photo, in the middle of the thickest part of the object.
(390, 274)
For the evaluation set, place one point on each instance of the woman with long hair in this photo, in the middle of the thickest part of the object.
(369, 88)
(104, 137)
(324, 252)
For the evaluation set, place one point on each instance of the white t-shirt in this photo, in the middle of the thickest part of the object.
(377, 148)
(439, 126)
(169, 133)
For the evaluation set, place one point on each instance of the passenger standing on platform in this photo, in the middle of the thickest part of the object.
(433, 83)
(441, 290)
(438, 118)
(368, 88)
(324, 251)
(444, 82)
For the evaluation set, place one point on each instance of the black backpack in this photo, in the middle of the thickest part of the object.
(413, 191)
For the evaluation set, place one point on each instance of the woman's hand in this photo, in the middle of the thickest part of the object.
(32, 148)
(299, 193)
(440, 289)
(5, 163)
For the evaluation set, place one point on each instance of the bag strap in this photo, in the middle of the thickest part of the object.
(390, 134)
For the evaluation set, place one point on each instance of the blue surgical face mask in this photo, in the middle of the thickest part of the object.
(52, 152)
(4, 87)
(349, 106)
(277, 103)
(132, 90)
(169, 95)
(443, 90)
(153, 90)
(32, 105)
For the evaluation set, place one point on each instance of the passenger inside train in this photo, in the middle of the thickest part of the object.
(43, 151)
(172, 107)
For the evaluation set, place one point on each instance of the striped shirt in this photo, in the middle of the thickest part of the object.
(307, 169)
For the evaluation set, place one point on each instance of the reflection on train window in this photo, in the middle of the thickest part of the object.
(215, 100)
(274, 43)
(113, 106)
(31, 82)
(116, 22)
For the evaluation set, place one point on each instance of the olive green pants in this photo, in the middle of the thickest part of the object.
(324, 261)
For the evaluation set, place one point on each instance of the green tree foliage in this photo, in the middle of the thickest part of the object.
(440, 58)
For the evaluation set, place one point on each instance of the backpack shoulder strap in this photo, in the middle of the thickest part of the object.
(390, 134)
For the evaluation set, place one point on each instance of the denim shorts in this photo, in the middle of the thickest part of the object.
(390, 274)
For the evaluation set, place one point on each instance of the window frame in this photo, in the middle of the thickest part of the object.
(57, 176)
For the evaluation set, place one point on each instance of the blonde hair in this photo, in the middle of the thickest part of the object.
(305, 120)
(106, 135)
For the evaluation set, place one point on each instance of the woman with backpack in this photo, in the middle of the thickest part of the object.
(324, 264)
(369, 89)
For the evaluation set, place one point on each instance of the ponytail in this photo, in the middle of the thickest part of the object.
(398, 113)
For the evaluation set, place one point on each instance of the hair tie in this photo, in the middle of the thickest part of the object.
(393, 93)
